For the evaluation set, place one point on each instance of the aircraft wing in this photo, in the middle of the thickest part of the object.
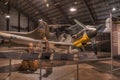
(60, 43)
(19, 33)
(12, 32)
(26, 40)
(74, 29)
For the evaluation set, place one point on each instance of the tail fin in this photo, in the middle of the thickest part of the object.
(38, 33)
(41, 31)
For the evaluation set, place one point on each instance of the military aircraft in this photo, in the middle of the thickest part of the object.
(84, 34)
(25, 38)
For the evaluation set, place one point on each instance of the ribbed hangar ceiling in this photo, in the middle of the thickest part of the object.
(57, 11)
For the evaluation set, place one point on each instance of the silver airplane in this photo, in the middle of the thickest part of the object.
(24, 38)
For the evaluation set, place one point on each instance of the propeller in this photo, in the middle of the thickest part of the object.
(93, 28)
(80, 24)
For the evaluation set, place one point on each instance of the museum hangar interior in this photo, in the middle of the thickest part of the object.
(59, 39)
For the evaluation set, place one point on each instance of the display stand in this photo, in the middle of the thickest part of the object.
(40, 67)
(77, 71)
(10, 66)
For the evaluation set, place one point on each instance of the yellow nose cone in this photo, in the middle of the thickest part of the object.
(79, 45)
(84, 39)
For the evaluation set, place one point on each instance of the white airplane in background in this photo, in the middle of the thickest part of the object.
(108, 26)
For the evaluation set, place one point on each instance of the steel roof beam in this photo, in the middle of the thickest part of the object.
(62, 12)
(41, 13)
(90, 12)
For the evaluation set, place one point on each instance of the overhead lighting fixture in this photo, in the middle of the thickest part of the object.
(6, 3)
(75, 3)
(47, 5)
(7, 16)
(73, 9)
(45, 1)
(40, 20)
(113, 9)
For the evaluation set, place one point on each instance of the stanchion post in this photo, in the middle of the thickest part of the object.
(111, 42)
(10, 66)
(40, 67)
(69, 49)
(77, 71)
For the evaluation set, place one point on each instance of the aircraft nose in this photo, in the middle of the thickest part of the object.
(91, 33)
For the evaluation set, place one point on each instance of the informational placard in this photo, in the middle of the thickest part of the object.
(115, 38)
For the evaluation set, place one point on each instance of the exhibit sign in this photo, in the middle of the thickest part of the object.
(115, 38)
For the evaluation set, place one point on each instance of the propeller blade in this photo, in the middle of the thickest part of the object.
(80, 24)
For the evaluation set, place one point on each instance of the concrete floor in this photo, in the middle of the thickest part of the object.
(100, 70)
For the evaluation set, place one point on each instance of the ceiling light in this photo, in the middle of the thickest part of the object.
(45, 1)
(7, 16)
(113, 9)
(47, 5)
(73, 9)
(40, 20)
(6, 3)
(76, 3)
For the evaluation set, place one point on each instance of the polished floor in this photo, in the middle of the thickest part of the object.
(97, 70)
